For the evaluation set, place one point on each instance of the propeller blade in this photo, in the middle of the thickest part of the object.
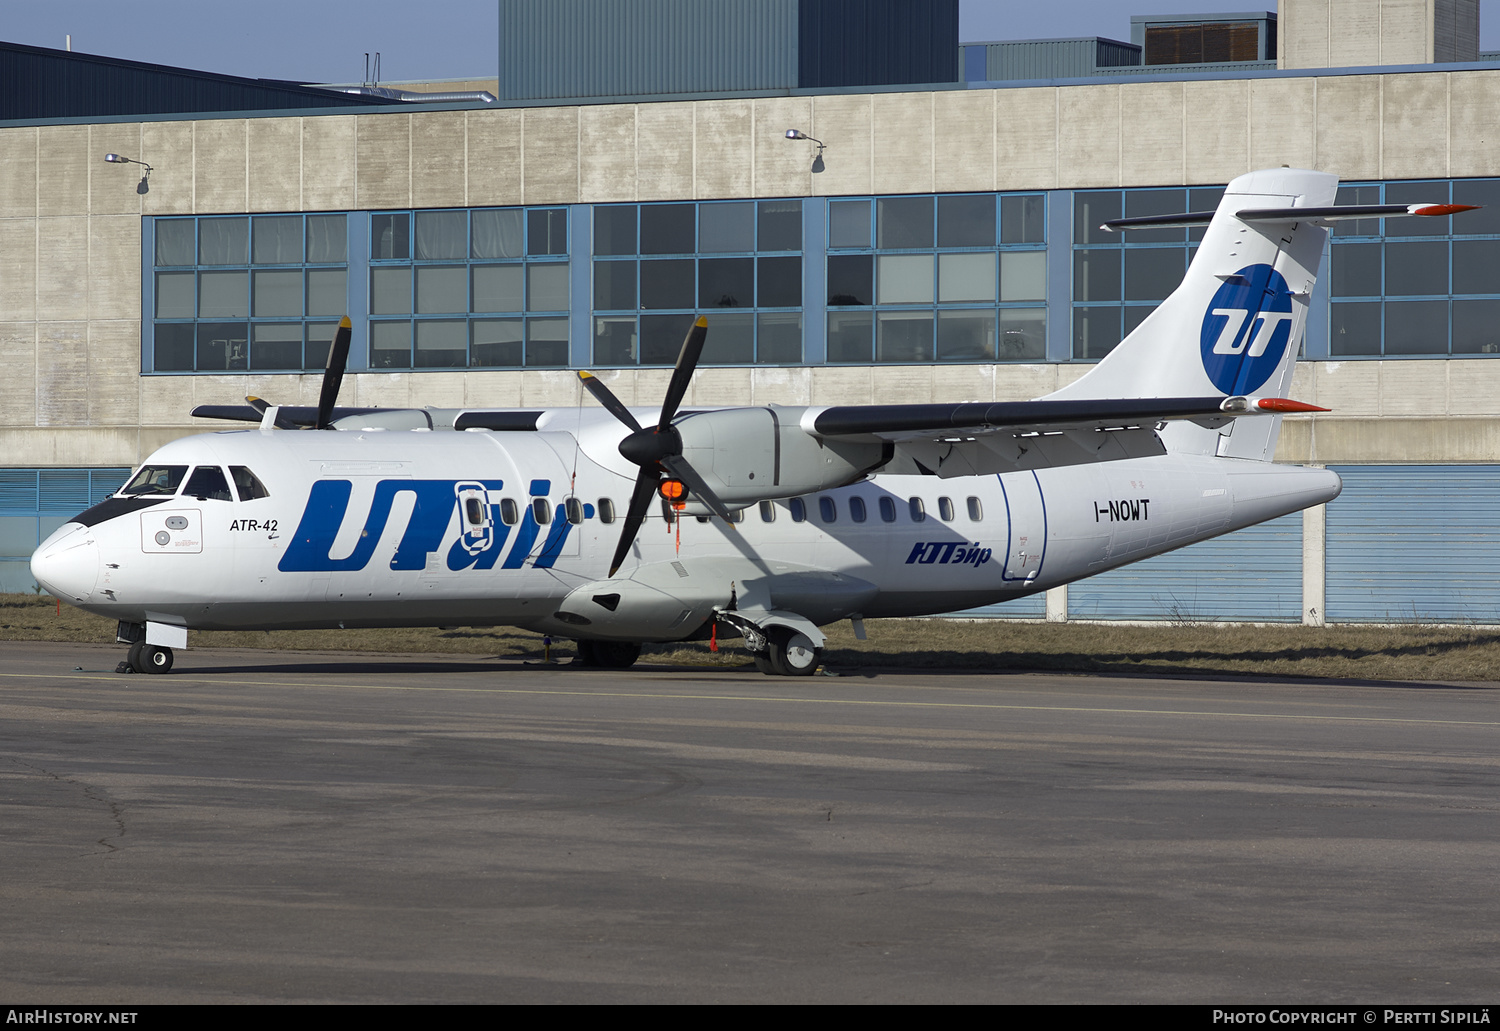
(640, 501)
(606, 398)
(261, 406)
(333, 374)
(682, 374)
(679, 467)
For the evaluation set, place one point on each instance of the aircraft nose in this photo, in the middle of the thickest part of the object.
(67, 563)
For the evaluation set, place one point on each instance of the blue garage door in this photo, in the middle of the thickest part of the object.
(33, 503)
(1033, 606)
(1415, 544)
(1254, 575)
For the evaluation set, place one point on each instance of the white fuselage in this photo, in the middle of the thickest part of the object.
(390, 528)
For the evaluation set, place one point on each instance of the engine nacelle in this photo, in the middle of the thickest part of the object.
(748, 455)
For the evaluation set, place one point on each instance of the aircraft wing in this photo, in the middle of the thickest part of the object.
(287, 416)
(984, 438)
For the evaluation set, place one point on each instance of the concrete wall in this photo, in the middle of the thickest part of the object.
(70, 229)
(1360, 33)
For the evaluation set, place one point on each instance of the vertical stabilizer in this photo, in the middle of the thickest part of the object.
(1234, 326)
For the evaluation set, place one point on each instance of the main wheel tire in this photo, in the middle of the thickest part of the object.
(133, 657)
(792, 652)
(763, 663)
(587, 655)
(155, 659)
(616, 654)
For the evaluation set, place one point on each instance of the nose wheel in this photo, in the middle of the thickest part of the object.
(146, 658)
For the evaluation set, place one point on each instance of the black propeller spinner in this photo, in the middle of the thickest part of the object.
(658, 449)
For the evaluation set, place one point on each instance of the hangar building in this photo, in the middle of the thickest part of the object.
(931, 239)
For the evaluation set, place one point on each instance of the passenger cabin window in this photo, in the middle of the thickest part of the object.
(606, 510)
(768, 511)
(574, 508)
(945, 509)
(208, 484)
(541, 511)
(828, 510)
(156, 479)
(247, 484)
(737, 515)
(799, 510)
(857, 509)
(918, 510)
(888, 510)
(473, 511)
(510, 514)
(976, 511)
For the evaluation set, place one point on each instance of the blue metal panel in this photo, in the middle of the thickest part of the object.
(1033, 606)
(1059, 276)
(357, 287)
(1056, 58)
(876, 42)
(148, 293)
(18, 491)
(1230, 69)
(581, 285)
(814, 281)
(611, 48)
(1415, 544)
(33, 503)
(63, 490)
(1254, 574)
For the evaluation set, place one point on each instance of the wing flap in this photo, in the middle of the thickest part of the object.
(977, 439)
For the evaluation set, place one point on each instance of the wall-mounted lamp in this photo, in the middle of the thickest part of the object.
(144, 186)
(798, 134)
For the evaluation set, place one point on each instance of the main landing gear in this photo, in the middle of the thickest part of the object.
(146, 658)
(789, 653)
(608, 654)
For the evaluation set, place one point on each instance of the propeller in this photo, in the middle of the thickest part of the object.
(333, 377)
(333, 374)
(657, 449)
(301, 417)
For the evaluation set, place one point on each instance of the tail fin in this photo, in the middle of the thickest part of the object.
(1234, 326)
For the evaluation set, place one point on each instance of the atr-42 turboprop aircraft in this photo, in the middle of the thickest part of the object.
(762, 523)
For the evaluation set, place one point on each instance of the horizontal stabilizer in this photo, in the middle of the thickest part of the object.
(1326, 213)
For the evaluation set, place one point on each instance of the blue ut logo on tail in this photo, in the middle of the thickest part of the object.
(1246, 329)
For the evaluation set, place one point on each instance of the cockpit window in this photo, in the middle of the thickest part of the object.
(247, 483)
(156, 479)
(208, 483)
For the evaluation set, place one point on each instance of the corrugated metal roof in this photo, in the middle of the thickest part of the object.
(1054, 58)
(606, 48)
(36, 82)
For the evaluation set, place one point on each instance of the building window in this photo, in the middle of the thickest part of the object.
(247, 293)
(1417, 286)
(658, 266)
(480, 288)
(953, 277)
(1120, 278)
